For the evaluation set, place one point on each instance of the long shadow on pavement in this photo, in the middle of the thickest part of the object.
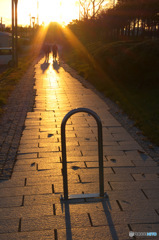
(44, 66)
(106, 207)
(56, 66)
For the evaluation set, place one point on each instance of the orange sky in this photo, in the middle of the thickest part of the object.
(49, 10)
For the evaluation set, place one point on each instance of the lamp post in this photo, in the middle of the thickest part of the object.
(14, 33)
(13, 53)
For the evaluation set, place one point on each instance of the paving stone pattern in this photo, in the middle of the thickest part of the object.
(30, 205)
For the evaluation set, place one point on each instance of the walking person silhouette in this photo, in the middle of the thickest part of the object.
(46, 51)
(54, 51)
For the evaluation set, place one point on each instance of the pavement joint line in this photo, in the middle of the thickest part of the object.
(85, 164)
(129, 227)
(25, 182)
(119, 205)
(79, 178)
(81, 153)
(132, 177)
(89, 216)
(133, 163)
(54, 210)
(113, 170)
(144, 194)
(55, 234)
(157, 212)
(110, 185)
(53, 188)
(20, 223)
(23, 200)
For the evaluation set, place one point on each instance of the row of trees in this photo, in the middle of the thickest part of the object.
(127, 18)
(133, 18)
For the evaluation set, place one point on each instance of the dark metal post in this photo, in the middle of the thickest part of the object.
(100, 154)
(16, 34)
(64, 163)
(100, 149)
(13, 33)
(1, 24)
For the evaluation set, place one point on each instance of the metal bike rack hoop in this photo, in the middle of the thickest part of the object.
(100, 152)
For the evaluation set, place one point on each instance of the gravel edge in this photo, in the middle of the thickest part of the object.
(12, 120)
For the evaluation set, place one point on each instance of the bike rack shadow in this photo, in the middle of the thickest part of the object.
(65, 206)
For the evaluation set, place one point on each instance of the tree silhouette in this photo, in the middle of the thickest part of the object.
(90, 8)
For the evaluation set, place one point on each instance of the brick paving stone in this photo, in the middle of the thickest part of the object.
(93, 171)
(133, 169)
(26, 156)
(111, 218)
(105, 152)
(23, 168)
(95, 233)
(112, 163)
(145, 177)
(7, 202)
(143, 205)
(28, 212)
(18, 191)
(54, 222)
(135, 185)
(29, 161)
(37, 173)
(46, 234)
(38, 150)
(108, 177)
(151, 192)
(126, 196)
(9, 225)
(41, 199)
(50, 154)
(42, 223)
(54, 166)
(11, 183)
(147, 163)
(49, 179)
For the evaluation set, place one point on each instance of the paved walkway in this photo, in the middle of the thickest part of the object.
(30, 206)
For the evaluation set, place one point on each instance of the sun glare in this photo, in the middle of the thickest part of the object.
(61, 11)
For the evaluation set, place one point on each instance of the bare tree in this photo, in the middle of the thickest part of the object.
(84, 8)
(90, 8)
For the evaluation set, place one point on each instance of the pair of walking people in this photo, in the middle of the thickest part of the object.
(47, 50)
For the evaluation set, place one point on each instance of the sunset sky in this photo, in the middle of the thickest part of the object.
(49, 10)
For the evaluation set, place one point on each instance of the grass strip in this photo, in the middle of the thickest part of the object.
(10, 77)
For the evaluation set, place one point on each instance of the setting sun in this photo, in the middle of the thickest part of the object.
(47, 11)
(61, 11)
